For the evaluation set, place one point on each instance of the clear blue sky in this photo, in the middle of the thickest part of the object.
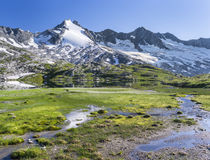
(185, 18)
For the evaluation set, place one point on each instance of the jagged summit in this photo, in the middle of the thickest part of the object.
(65, 24)
(66, 33)
(141, 29)
(201, 42)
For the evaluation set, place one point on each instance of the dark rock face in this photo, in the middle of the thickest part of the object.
(202, 42)
(106, 36)
(145, 37)
(54, 38)
(140, 36)
(171, 37)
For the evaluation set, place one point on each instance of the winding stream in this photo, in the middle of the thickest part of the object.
(196, 135)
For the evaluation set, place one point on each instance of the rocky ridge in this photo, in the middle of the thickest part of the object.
(70, 42)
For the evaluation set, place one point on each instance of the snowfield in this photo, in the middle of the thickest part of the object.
(145, 57)
(124, 45)
(180, 58)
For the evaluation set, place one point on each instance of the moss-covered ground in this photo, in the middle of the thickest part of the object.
(204, 100)
(39, 110)
(44, 109)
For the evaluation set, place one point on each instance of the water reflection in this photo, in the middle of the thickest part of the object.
(98, 82)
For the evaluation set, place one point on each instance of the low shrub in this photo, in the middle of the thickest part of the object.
(11, 141)
(28, 153)
(44, 142)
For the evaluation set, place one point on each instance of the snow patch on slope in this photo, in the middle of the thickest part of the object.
(179, 57)
(145, 57)
(30, 43)
(125, 45)
(128, 48)
(75, 35)
(178, 51)
(4, 50)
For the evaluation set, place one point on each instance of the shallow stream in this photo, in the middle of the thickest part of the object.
(74, 119)
(196, 135)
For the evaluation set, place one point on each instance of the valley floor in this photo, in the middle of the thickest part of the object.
(105, 123)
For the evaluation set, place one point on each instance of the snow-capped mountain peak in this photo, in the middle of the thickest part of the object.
(75, 35)
(71, 42)
(68, 23)
(65, 34)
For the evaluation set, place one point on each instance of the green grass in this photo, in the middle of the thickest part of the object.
(11, 141)
(44, 142)
(83, 142)
(204, 100)
(44, 109)
(31, 119)
(184, 91)
(187, 121)
(199, 81)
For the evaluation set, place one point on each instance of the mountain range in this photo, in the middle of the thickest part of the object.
(24, 51)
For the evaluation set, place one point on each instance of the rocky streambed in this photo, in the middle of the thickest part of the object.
(193, 141)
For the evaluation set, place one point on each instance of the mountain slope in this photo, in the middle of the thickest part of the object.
(166, 51)
(140, 36)
(70, 42)
(15, 61)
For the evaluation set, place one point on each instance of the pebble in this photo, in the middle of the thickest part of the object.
(30, 141)
(201, 129)
(43, 148)
(182, 153)
(199, 116)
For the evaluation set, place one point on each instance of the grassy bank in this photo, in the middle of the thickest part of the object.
(44, 109)
(204, 100)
